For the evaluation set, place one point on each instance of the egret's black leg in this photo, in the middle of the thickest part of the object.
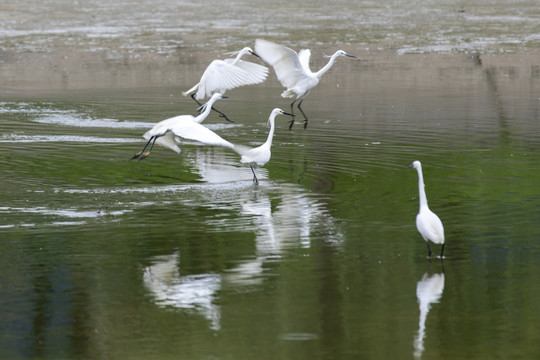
(144, 148)
(255, 180)
(292, 114)
(213, 108)
(144, 154)
(442, 250)
(303, 113)
(197, 101)
(429, 249)
(222, 114)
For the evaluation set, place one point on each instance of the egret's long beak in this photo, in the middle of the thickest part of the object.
(349, 55)
(253, 53)
(224, 97)
(286, 113)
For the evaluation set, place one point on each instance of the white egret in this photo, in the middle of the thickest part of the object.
(223, 75)
(261, 155)
(292, 70)
(189, 127)
(186, 126)
(427, 222)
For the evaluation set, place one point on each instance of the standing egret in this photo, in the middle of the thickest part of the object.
(261, 155)
(292, 70)
(427, 222)
(186, 126)
(223, 75)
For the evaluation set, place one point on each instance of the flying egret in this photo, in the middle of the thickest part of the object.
(292, 70)
(427, 222)
(223, 75)
(186, 126)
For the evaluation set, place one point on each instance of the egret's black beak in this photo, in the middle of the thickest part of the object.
(286, 113)
(224, 97)
(349, 55)
(253, 53)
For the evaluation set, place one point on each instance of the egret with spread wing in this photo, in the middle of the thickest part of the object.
(223, 75)
(292, 70)
(187, 126)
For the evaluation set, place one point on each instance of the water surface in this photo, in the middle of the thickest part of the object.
(182, 256)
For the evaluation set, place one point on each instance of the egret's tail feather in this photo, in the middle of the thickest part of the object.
(188, 92)
(289, 93)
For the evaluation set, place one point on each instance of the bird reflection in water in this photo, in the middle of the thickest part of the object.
(428, 291)
(193, 292)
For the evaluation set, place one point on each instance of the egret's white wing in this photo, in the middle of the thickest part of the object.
(195, 131)
(220, 76)
(284, 60)
(254, 73)
(304, 55)
(241, 149)
(430, 226)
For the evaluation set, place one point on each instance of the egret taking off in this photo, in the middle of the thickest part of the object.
(292, 70)
(186, 126)
(189, 127)
(427, 222)
(223, 75)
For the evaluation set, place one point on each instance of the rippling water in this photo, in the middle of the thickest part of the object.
(182, 256)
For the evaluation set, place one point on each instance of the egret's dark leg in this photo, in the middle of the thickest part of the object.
(429, 249)
(213, 108)
(197, 101)
(303, 113)
(144, 148)
(292, 114)
(255, 180)
(143, 154)
(442, 250)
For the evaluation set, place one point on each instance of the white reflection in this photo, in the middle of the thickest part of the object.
(291, 223)
(428, 291)
(194, 292)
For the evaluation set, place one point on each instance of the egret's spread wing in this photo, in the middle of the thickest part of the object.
(254, 73)
(241, 149)
(220, 76)
(284, 60)
(304, 56)
(195, 131)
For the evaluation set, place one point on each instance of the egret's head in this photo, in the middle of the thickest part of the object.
(249, 50)
(343, 53)
(416, 164)
(276, 112)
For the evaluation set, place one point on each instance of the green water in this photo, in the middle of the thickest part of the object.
(182, 256)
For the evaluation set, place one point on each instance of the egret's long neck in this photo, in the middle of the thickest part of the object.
(326, 67)
(237, 58)
(421, 189)
(206, 110)
(268, 142)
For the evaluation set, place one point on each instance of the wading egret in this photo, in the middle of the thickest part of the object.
(427, 222)
(292, 70)
(186, 126)
(261, 155)
(223, 75)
